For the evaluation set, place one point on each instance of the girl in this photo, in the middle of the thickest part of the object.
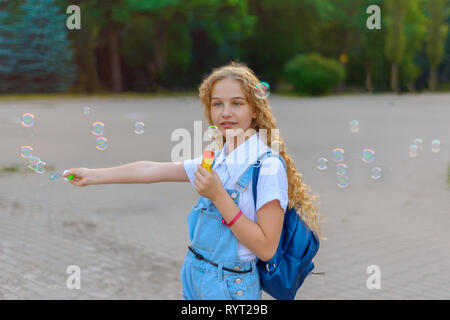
(228, 231)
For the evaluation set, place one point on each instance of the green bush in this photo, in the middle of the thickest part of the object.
(313, 74)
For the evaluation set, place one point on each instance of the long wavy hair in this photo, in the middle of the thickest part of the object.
(300, 195)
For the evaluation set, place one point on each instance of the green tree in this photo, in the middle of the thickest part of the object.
(415, 32)
(101, 22)
(396, 38)
(184, 33)
(282, 30)
(344, 26)
(43, 51)
(85, 42)
(371, 43)
(313, 73)
(342, 23)
(144, 43)
(8, 58)
(437, 30)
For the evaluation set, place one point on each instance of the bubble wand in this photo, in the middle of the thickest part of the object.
(54, 176)
(208, 155)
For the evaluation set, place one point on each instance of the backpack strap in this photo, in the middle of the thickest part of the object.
(257, 167)
(244, 179)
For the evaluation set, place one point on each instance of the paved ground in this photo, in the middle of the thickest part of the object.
(129, 240)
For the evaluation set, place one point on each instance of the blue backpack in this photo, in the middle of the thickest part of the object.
(282, 276)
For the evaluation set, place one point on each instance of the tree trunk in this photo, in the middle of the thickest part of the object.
(89, 81)
(160, 45)
(93, 82)
(433, 79)
(410, 86)
(116, 74)
(394, 77)
(152, 72)
(369, 84)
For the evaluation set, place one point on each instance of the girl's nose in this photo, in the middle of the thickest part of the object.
(226, 110)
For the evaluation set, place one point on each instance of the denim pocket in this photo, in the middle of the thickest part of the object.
(207, 230)
(245, 287)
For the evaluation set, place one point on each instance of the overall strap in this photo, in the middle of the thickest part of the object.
(244, 179)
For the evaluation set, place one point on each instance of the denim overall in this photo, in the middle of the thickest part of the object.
(215, 241)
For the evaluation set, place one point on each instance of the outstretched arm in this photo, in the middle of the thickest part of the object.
(134, 172)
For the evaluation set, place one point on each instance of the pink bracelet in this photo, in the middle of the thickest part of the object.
(232, 221)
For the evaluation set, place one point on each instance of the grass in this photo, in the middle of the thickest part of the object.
(23, 169)
(14, 169)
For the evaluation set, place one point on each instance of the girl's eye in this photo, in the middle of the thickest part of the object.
(237, 103)
(216, 104)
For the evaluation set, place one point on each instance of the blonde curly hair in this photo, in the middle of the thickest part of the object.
(300, 195)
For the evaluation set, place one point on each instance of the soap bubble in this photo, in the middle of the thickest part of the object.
(101, 143)
(413, 148)
(139, 127)
(338, 154)
(342, 181)
(98, 128)
(341, 169)
(368, 155)
(212, 135)
(27, 119)
(40, 167)
(354, 126)
(53, 176)
(262, 90)
(435, 146)
(211, 132)
(419, 143)
(375, 173)
(26, 152)
(33, 161)
(322, 163)
(87, 110)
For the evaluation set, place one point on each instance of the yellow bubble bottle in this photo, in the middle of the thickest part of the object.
(208, 157)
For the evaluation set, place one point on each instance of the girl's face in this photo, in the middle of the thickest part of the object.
(230, 110)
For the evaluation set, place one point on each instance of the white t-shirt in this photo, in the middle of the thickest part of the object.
(272, 180)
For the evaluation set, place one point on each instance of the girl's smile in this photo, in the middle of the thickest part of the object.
(227, 125)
